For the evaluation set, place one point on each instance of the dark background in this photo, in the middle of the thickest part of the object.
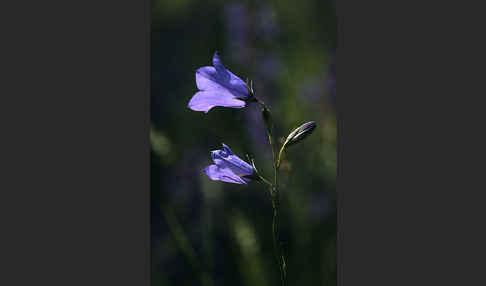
(214, 233)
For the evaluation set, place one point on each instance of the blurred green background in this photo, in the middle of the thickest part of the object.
(214, 233)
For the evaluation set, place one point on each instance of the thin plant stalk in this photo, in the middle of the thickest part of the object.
(274, 195)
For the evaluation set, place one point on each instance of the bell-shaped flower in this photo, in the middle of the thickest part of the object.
(218, 87)
(228, 167)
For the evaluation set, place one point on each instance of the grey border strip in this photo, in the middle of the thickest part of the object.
(75, 143)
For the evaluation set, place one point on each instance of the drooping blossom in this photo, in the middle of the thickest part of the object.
(218, 87)
(228, 167)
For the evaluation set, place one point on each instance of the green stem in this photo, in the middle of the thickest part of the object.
(274, 193)
(280, 156)
(276, 242)
(266, 181)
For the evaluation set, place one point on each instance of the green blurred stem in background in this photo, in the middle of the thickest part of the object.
(185, 245)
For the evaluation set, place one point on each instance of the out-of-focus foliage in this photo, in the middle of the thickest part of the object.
(213, 233)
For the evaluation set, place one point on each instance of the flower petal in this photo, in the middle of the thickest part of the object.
(207, 79)
(218, 64)
(227, 79)
(217, 173)
(227, 149)
(205, 100)
(226, 159)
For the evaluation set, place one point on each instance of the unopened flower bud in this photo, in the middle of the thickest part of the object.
(300, 133)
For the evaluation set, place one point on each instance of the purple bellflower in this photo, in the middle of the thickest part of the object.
(218, 87)
(228, 167)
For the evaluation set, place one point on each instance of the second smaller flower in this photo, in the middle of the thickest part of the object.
(228, 167)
